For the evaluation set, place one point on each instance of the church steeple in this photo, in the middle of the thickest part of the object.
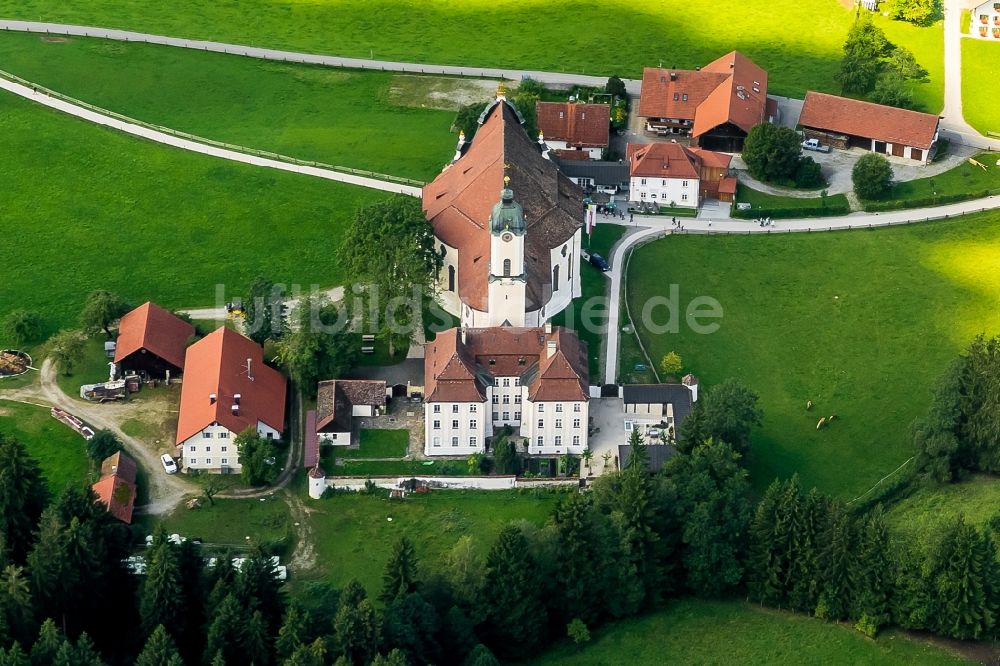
(508, 216)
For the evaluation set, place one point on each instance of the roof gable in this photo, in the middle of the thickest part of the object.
(156, 330)
(662, 160)
(585, 125)
(226, 364)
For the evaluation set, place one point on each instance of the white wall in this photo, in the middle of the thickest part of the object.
(558, 420)
(592, 153)
(439, 441)
(334, 438)
(664, 191)
(509, 396)
(984, 9)
(209, 452)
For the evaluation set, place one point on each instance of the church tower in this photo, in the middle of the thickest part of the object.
(507, 278)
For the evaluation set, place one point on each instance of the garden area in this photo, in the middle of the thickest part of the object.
(151, 222)
(965, 181)
(979, 99)
(336, 116)
(800, 52)
(778, 207)
(228, 522)
(60, 452)
(730, 632)
(861, 323)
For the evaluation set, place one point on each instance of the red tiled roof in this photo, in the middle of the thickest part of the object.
(853, 117)
(121, 465)
(457, 371)
(730, 89)
(727, 185)
(571, 154)
(583, 125)
(218, 364)
(712, 159)
(335, 400)
(310, 452)
(156, 330)
(662, 160)
(459, 203)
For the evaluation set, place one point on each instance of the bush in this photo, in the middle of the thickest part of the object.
(872, 176)
(24, 326)
(103, 444)
(808, 173)
(925, 201)
(831, 210)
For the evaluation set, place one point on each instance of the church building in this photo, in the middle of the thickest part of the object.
(508, 226)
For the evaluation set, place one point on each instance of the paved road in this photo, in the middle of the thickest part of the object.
(653, 227)
(204, 149)
(550, 78)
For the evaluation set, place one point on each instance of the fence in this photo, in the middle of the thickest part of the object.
(209, 142)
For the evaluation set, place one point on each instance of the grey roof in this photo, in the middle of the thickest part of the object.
(657, 455)
(677, 395)
(603, 173)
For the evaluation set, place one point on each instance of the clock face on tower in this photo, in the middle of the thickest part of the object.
(506, 238)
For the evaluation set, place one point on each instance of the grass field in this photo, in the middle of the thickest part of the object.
(230, 521)
(927, 509)
(591, 306)
(801, 50)
(694, 632)
(91, 367)
(353, 536)
(861, 323)
(979, 97)
(379, 444)
(835, 204)
(96, 209)
(60, 452)
(964, 180)
(334, 116)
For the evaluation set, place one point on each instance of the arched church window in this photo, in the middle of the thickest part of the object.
(564, 251)
(555, 278)
(506, 267)
(451, 278)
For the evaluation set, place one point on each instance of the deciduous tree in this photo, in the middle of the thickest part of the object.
(102, 309)
(872, 176)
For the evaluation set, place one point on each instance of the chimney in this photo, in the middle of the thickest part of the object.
(236, 398)
(673, 76)
(463, 335)
(236, 410)
(548, 327)
(552, 348)
(211, 398)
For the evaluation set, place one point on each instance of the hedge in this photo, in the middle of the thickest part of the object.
(921, 202)
(830, 210)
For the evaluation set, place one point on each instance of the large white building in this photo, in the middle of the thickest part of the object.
(508, 227)
(227, 388)
(478, 381)
(986, 20)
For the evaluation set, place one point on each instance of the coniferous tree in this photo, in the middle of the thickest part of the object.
(15, 656)
(23, 496)
(84, 653)
(256, 640)
(516, 615)
(582, 533)
(964, 572)
(50, 639)
(394, 658)
(357, 631)
(804, 591)
(16, 605)
(766, 558)
(835, 553)
(410, 624)
(159, 650)
(713, 503)
(224, 639)
(400, 576)
(481, 656)
(292, 633)
(872, 573)
(162, 602)
(258, 588)
(458, 635)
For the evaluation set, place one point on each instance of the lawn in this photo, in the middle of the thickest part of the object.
(979, 96)
(801, 49)
(771, 205)
(363, 467)
(860, 322)
(97, 209)
(60, 452)
(229, 521)
(966, 181)
(354, 536)
(91, 367)
(335, 116)
(927, 509)
(379, 444)
(588, 314)
(694, 632)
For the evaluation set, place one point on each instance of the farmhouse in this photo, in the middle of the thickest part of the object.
(532, 380)
(340, 401)
(713, 107)
(607, 177)
(849, 123)
(569, 128)
(986, 20)
(658, 412)
(116, 489)
(151, 342)
(669, 174)
(508, 225)
(227, 389)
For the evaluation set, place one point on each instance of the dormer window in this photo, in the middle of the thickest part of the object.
(677, 96)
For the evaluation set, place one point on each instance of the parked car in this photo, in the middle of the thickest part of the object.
(169, 465)
(814, 144)
(599, 263)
